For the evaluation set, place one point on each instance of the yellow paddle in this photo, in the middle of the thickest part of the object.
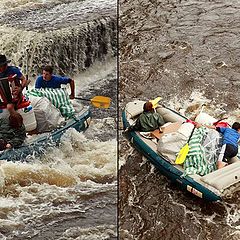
(98, 101)
(184, 151)
(155, 101)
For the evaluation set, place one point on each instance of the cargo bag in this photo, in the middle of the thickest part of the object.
(47, 116)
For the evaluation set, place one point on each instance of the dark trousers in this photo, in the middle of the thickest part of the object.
(3, 144)
(228, 151)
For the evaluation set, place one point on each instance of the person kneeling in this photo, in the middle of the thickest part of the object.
(12, 131)
(149, 120)
(229, 148)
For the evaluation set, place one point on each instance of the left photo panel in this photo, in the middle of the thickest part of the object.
(58, 119)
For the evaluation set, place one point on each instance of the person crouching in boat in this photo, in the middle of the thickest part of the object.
(10, 76)
(48, 80)
(12, 131)
(229, 148)
(149, 120)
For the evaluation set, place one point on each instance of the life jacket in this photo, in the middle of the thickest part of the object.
(24, 103)
(6, 94)
(222, 124)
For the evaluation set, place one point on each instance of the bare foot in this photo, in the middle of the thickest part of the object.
(221, 164)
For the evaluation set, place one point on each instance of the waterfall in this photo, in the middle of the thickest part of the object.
(70, 35)
(69, 50)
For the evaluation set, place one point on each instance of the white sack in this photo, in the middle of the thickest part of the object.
(48, 117)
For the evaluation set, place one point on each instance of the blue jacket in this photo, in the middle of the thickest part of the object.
(230, 136)
(55, 82)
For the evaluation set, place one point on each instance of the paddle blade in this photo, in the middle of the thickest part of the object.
(101, 102)
(182, 154)
(155, 101)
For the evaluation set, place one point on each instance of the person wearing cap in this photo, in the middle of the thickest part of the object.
(11, 76)
(48, 80)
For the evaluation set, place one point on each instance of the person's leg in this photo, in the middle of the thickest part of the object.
(220, 162)
(2, 144)
(228, 151)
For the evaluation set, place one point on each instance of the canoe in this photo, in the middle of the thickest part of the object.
(39, 144)
(213, 186)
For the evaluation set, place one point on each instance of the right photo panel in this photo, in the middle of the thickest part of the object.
(179, 78)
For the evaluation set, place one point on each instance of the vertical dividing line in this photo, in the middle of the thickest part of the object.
(118, 117)
(27, 68)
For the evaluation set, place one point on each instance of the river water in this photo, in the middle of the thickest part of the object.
(187, 52)
(71, 192)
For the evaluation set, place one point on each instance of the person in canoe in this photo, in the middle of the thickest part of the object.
(229, 148)
(12, 82)
(48, 80)
(12, 131)
(149, 120)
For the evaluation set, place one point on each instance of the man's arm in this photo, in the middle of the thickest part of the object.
(38, 82)
(18, 89)
(23, 81)
(72, 86)
(160, 120)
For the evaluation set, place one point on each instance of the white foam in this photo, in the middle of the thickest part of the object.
(193, 104)
(233, 215)
(97, 71)
(77, 159)
(92, 159)
(91, 233)
(16, 5)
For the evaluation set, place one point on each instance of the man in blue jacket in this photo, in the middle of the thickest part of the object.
(48, 80)
(231, 137)
(12, 82)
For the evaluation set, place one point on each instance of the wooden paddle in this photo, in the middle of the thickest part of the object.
(7, 78)
(98, 101)
(184, 150)
(27, 69)
(155, 101)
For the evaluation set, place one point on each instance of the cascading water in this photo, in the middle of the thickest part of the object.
(69, 36)
(70, 192)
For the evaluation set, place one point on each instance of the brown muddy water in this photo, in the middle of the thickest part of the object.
(186, 52)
